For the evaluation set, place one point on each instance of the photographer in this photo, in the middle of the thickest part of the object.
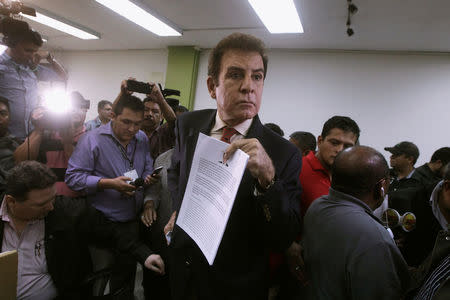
(52, 146)
(8, 144)
(161, 136)
(20, 71)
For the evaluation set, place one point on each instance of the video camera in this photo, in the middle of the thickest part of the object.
(58, 108)
(9, 8)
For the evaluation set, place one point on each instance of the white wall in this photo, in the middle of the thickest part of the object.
(97, 74)
(392, 96)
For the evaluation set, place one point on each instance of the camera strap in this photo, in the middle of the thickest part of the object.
(124, 153)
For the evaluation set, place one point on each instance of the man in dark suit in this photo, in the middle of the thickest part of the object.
(266, 213)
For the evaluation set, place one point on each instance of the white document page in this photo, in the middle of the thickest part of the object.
(210, 192)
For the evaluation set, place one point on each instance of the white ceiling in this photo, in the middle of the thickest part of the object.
(406, 25)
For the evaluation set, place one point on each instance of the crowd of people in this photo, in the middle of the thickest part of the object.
(313, 218)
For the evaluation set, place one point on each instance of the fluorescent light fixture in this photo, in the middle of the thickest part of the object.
(278, 16)
(140, 16)
(71, 29)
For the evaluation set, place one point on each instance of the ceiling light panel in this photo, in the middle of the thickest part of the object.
(140, 16)
(278, 16)
(62, 26)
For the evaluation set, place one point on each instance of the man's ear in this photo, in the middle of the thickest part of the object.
(319, 140)
(439, 164)
(211, 87)
(10, 200)
(410, 159)
(113, 116)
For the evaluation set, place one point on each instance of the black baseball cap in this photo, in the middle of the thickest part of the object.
(408, 148)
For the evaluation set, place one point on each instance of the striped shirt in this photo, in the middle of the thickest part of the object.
(439, 275)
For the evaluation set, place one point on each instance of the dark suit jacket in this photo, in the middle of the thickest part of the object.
(69, 228)
(255, 226)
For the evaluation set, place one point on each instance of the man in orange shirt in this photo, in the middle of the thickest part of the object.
(338, 133)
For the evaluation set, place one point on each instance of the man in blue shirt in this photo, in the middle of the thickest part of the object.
(104, 109)
(19, 73)
(102, 165)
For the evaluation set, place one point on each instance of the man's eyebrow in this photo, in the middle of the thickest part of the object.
(234, 68)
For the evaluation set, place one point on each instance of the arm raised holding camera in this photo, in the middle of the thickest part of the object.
(156, 93)
(29, 149)
(167, 112)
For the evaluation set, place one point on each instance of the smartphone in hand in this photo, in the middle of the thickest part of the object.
(157, 171)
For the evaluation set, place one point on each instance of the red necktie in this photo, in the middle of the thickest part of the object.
(227, 133)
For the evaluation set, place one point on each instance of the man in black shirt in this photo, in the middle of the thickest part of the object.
(431, 172)
(407, 194)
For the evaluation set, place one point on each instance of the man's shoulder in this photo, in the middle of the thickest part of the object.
(345, 213)
(141, 137)
(66, 210)
(91, 124)
(308, 162)
(195, 116)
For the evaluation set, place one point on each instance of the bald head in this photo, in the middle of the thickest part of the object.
(357, 170)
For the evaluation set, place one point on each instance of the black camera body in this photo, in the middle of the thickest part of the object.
(139, 87)
(57, 121)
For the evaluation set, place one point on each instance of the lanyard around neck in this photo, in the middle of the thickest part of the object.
(124, 153)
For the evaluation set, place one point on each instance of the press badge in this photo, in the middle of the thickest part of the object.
(132, 174)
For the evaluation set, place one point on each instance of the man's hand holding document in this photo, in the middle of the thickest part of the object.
(210, 192)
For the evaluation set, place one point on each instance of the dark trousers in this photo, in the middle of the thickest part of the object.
(156, 286)
(122, 266)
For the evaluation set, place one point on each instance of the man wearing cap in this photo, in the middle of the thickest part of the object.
(52, 146)
(407, 194)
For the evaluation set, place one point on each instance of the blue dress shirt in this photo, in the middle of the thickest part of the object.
(18, 84)
(96, 156)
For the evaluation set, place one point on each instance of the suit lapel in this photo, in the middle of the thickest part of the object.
(204, 126)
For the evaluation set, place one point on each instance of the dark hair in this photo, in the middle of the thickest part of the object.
(447, 172)
(27, 176)
(103, 103)
(442, 154)
(235, 41)
(344, 123)
(5, 101)
(128, 101)
(275, 128)
(16, 31)
(150, 99)
(181, 109)
(306, 140)
(357, 170)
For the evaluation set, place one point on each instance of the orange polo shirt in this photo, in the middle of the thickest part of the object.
(314, 179)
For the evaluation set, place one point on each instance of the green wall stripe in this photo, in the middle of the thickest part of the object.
(182, 70)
